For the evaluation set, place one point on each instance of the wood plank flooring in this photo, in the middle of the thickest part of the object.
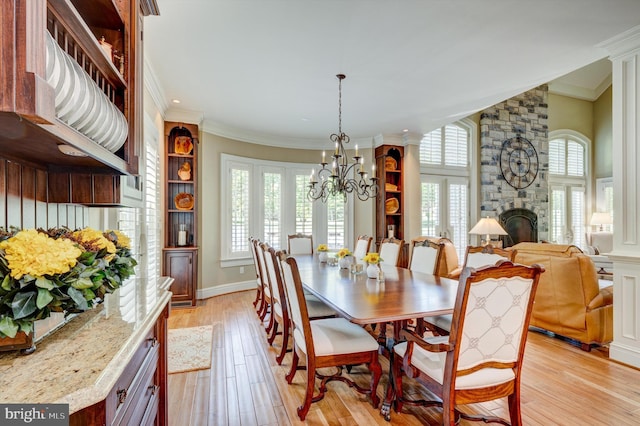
(561, 385)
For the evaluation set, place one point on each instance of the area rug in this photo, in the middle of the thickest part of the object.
(189, 349)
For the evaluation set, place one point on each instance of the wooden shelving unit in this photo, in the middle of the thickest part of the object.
(180, 253)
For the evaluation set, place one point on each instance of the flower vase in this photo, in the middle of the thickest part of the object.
(345, 262)
(372, 271)
(323, 256)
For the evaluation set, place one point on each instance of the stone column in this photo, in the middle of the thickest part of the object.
(625, 55)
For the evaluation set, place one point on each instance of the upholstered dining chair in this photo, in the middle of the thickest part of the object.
(332, 342)
(267, 303)
(481, 359)
(252, 249)
(280, 304)
(362, 247)
(390, 249)
(300, 244)
(425, 255)
(475, 257)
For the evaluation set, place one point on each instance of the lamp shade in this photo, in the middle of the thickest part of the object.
(488, 226)
(601, 218)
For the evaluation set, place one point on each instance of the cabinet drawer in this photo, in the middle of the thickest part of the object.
(142, 392)
(128, 388)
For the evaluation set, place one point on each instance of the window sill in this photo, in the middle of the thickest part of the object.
(230, 263)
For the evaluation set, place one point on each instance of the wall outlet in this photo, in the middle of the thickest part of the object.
(242, 269)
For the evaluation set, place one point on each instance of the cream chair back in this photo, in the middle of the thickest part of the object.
(390, 251)
(274, 279)
(362, 248)
(425, 255)
(477, 257)
(298, 313)
(300, 244)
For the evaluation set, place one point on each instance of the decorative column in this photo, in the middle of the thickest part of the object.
(625, 55)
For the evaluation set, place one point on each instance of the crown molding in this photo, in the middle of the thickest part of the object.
(184, 116)
(248, 136)
(154, 87)
(623, 43)
(580, 92)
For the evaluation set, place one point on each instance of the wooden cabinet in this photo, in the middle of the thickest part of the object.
(181, 215)
(30, 126)
(390, 202)
(182, 266)
(139, 396)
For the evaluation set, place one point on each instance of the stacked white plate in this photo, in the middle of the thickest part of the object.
(81, 103)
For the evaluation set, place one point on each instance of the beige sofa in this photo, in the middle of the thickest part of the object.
(569, 301)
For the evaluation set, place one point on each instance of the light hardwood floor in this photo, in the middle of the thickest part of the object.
(561, 385)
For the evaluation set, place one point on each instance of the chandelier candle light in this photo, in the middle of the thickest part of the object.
(342, 177)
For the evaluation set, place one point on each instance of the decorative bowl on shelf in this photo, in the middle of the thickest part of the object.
(392, 205)
(390, 187)
(184, 201)
(390, 163)
(183, 145)
(184, 172)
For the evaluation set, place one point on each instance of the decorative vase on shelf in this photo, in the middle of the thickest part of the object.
(323, 256)
(372, 270)
(345, 262)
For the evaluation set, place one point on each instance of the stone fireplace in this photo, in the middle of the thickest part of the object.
(522, 212)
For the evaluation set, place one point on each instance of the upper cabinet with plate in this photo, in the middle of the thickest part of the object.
(389, 204)
(72, 77)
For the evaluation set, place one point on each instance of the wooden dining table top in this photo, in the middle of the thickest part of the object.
(403, 295)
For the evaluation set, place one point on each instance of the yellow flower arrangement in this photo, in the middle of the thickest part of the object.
(322, 247)
(57, 270)
(32, 253)
(372, 258)
(344, 252)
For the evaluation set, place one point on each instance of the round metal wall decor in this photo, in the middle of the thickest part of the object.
(519, 162)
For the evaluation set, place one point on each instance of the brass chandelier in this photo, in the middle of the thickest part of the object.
(341, 176)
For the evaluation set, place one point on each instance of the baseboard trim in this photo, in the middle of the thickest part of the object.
(225, 289)
(624, 354)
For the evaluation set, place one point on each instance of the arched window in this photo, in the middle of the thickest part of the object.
(568, 187)
(445, 164)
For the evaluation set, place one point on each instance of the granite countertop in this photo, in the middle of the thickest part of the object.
(79, 363)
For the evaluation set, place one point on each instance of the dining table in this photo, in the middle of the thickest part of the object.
(402, 295)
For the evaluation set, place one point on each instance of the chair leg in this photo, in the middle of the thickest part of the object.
(285, 343)
(294, 367)
(448, 412)
(255, 302)
(396, 376)
(308, 397)
(514, 408)
(274, 331)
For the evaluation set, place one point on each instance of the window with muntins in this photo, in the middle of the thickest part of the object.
(444, 161)
(268, 200)
(568, 189)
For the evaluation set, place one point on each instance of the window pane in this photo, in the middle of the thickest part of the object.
(556, 157)
(575, 159)
(577, 217)
(458, 212)
(335, 222)
(304, 212)
(558, 206)
(431, 148)
(430, 208)
(272, 209)
(239, 210)
(455, 142)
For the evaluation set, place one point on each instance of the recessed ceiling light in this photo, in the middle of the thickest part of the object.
(405, 130)
(175, 101)
(305, 119)
(71, 150)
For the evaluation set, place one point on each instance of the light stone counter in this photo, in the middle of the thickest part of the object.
(80, 363)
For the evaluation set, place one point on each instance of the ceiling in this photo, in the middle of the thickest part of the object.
(264, 70)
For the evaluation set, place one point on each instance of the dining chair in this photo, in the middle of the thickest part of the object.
(481, 359)
(267, 302)
(331, 342)
(280, 304)
(362, 247)
(475, 257)
(260, 301)
(425, 255)
(300, 244)
(390, 249)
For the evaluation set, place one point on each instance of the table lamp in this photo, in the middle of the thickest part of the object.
(601, 218)
(488, 226)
